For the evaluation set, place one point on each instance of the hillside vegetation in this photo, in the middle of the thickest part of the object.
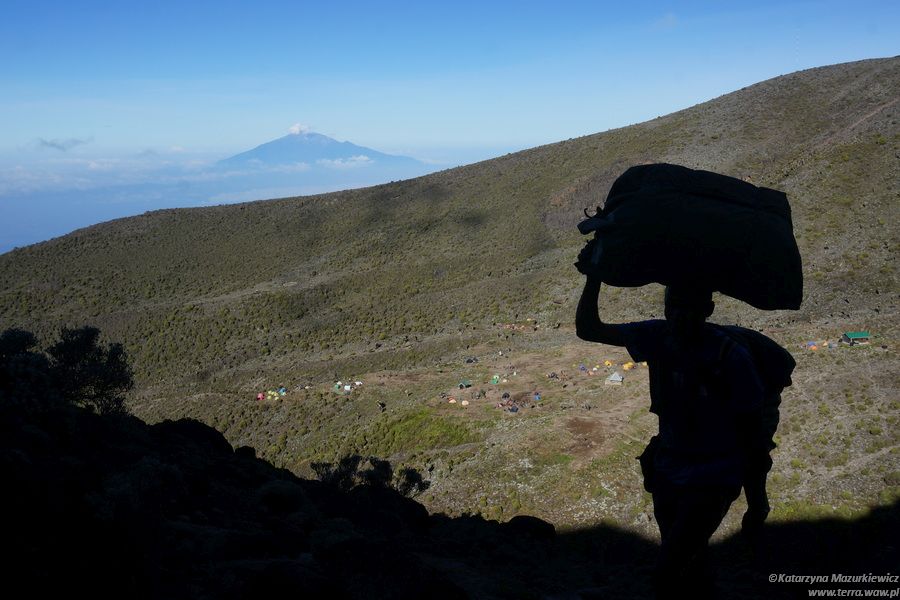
(395, 285)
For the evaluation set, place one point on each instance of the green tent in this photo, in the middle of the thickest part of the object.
(856, 337)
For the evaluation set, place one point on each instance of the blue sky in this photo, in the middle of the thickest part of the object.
(97, 92)
(219, 77)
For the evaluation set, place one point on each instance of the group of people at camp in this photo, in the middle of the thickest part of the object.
(342, 387)
(507, 402)
(272, 394)
(513, 405)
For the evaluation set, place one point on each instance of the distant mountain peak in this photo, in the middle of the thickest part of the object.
(304, 146)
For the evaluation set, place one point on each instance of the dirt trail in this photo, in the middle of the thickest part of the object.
(830, 139)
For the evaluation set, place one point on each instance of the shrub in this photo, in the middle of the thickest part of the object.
(88, 374)
(76, 369)
(353, 470)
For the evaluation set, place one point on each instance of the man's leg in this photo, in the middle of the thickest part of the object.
(755, 473)
(691, 515)
(757, 497)
(666, 499)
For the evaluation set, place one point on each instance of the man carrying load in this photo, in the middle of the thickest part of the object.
(709, 424)
(717, 412)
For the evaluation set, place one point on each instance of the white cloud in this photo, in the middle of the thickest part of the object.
(297, 167)
(21, 179)
(345, 163)
(298, 128)
(667, 22)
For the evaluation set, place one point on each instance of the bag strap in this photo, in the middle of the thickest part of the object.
(725, 349)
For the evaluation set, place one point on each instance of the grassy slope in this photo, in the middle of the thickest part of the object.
(400, 281)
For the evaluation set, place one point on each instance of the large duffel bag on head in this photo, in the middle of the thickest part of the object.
(670, 224)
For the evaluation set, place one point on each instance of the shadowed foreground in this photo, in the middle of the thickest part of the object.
(112, 506)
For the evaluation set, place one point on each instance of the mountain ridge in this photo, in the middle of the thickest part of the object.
(311, 148)
(396, 284)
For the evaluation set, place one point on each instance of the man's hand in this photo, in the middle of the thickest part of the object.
(584, 264)
(588, 325)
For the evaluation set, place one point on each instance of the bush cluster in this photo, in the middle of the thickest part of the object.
(76, 369)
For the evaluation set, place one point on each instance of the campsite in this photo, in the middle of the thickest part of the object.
(578, 441)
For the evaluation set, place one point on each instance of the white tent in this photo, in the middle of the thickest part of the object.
(615, 379)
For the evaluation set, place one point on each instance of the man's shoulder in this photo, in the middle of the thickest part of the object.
(774, 363)
(750, 340)
(726, 345)
(643, 339)
(651, 330)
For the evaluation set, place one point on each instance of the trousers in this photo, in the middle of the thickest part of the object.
(687, 516)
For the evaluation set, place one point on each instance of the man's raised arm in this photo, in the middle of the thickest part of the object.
(588, 325)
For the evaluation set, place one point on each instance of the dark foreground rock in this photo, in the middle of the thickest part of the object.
(113, 507)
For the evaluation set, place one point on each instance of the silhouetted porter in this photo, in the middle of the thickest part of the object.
(708, 397)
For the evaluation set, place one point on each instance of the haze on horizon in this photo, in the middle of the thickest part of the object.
(100, 101)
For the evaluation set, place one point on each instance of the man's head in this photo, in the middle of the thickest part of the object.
(687, 308)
